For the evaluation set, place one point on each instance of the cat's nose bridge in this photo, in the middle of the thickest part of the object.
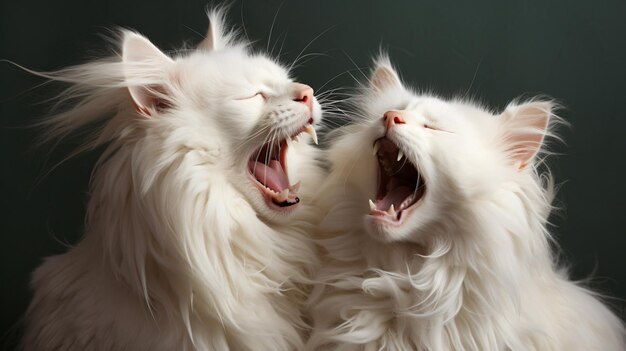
(392, 118)
(303, 93)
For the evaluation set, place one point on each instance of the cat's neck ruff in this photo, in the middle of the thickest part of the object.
(436, 286)
(183, 239)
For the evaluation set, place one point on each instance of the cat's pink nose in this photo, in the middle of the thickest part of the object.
(392, 118)
(304, 94)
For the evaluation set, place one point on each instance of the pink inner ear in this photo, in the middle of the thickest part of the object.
(146, 100)
(384, 77)
(143, 60)
(141, 100)
(526, 147)
(527, 125)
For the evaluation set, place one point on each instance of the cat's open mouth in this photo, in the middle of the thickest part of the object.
(268, 168)
(400, 185)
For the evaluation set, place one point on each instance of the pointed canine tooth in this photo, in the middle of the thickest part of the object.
(391, 211)
(400, 155)
(283, 195)
(295, 138)
(372, 205)
(376, 147)
(311, 131)
(296, 187)
(288, 141)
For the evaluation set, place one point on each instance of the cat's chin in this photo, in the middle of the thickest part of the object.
(384, 228)
(268, 171)
(284, 202)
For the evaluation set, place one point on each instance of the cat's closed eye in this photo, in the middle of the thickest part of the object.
(435, 128)
(255, 95)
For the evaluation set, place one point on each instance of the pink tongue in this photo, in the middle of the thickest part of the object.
(395, 196)
(273, 176)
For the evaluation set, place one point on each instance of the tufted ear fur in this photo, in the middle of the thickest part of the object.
(217, 35)
(145, 70)
(525, 127)
(384, 76)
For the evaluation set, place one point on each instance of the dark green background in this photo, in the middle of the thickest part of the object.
(571, 50)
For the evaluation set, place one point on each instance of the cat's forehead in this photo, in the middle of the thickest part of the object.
(434, 106)
(269, 66)
(236, 66)
(405, 100)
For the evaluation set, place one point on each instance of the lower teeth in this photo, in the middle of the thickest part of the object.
(406, 203)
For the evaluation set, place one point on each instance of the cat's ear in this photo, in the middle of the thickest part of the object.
(210, 39)
(217, 36)
(525, 128)
(384, 76)
(145, 68)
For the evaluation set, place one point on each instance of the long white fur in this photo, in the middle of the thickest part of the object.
(180, 252)
(472, 267)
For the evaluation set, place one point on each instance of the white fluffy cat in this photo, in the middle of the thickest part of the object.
(452, 251)
(193, 238)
